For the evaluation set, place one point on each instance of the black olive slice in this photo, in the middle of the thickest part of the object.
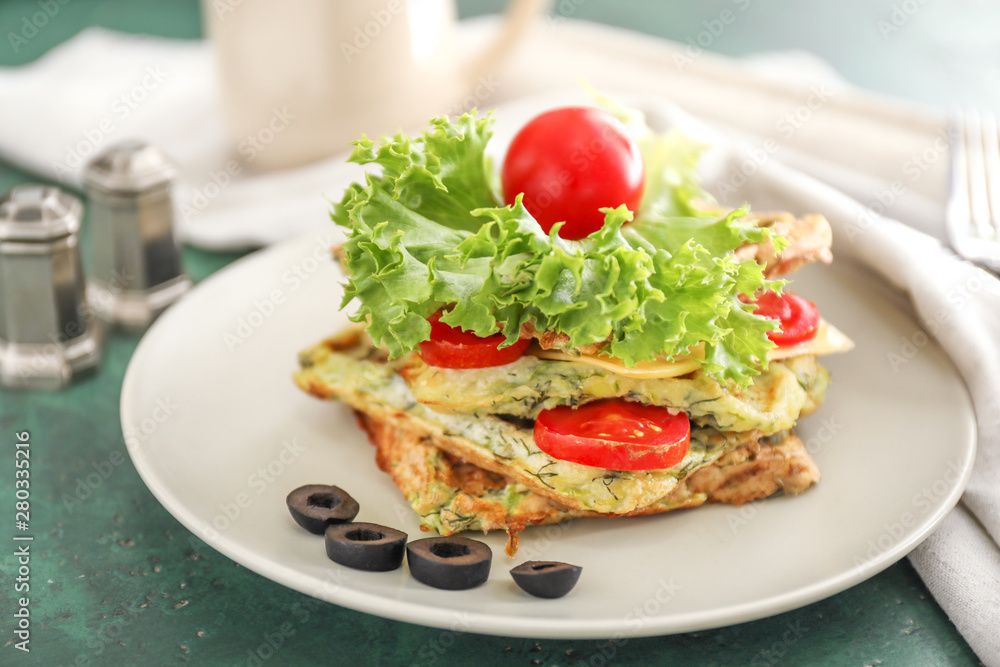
(315, 506)
(451, 563)
(546, 578)
(365, 546)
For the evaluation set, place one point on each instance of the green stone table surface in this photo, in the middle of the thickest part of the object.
(115, 579)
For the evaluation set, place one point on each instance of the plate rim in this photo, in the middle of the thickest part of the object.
(492, 623)
(486, 623)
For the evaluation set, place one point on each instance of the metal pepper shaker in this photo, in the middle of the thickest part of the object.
(136, 264)
(47, 331)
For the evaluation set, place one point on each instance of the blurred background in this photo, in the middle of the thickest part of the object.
(930, 52)
(910, 60)
(933, 52)
(896, 67)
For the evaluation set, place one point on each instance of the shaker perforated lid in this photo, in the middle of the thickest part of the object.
(38, 213)
(130, 166)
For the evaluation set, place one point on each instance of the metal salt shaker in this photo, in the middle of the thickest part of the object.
(47, 331)
(136, 265)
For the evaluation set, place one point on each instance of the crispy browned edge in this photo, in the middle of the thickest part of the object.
(809, 240)
(750, 472)
(457, 446)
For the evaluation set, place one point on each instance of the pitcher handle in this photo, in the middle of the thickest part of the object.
(520, 15)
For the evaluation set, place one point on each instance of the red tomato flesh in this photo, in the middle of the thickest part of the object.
(799, 318)
(451, 347)
(615, 434)
(571, 162)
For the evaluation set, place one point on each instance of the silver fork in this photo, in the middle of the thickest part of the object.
(973, 212)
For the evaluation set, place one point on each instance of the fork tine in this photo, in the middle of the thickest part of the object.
(972, 216)
(957, 215)
(957, 212)
(991, 154)
(979, 203)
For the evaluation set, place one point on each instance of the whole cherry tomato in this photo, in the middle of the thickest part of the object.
(570, 163)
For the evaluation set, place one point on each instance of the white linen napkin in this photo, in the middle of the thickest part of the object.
(101, 87)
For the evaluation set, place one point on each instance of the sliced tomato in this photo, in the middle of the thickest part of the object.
(799, 318)
(615, 434)
(451, 347)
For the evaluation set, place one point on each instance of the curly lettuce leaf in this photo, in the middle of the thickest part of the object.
(428, 232)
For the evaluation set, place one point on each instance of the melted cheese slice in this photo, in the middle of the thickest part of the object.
(828, 340)
(644, 369)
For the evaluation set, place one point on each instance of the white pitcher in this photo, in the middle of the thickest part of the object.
(299, 79)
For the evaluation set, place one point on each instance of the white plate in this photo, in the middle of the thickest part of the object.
(220, 435)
